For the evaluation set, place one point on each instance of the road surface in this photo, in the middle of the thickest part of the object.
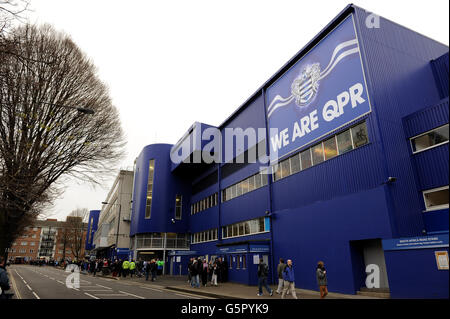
(47, 282)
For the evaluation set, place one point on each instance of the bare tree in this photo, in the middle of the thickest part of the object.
(10, 11)
(75, 231)
(42, 136)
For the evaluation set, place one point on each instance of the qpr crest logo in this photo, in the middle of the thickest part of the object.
(305, 87)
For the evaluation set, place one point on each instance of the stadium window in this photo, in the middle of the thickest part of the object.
(317, 154)
(330, 148)
(430, 139)
(344, 142)
(359, 135)
(306, 159)
(295, 163)
(437, 198)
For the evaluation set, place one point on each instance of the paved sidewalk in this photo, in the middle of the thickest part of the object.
(229, 290)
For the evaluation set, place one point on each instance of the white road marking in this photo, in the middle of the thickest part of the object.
(97, 290)
(37, 297)
(29, 288)
(60, 282)
(51, 278)
(110, 295)
(103, 286)
(127, 293)
(91, 295)
(151, 289)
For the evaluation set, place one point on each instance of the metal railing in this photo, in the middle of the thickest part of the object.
(159, 243)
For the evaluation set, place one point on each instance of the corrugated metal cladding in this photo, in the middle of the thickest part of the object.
(432, 168)
(441, 73)
(401, 81)
(322, 212)
(426, 119)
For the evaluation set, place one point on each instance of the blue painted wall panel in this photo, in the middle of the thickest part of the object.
(414, 274)
(401, 81)
(323, 231)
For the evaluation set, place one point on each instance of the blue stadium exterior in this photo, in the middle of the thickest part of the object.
(336, 210)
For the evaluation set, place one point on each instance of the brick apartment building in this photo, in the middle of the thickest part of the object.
(48, 239)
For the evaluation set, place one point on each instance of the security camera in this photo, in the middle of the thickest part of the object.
(391, 179)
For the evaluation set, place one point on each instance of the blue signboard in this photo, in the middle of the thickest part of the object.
(323, 91)
(182, 252)
(259, 248)
(421, 242)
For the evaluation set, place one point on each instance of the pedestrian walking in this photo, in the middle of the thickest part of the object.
(321, 276)
(4, 280)
(210, 267)
(189, 265)
(125, 268)
(289, 280)
(263, 272)
(280, 268)
(132, 268)
(204, 273)
(119, 268)
(214, 271)
(219, 269)
(153, 269)
(194, 274)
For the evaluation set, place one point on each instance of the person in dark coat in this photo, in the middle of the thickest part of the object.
(153, 269)
(225, 270)
(204, 272)
(321, 276)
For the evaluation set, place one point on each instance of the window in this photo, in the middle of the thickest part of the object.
(244, 228)
(295, 163)
(251, 183)
(344, 141)
(257, 181)
(32, 243)
(244, 186)
(228, 193)
(244, 261)
(35, 229)
(151, 172)
(277, 174)
(330, 148)
(317, 154)
(285, 168)
(31, 251)
(305, 158)
(34, 236)
(264, 178)
(359, 135)
(178, 206)
(238, 264)
(430, 139)
(436, 198)
(24, 243)
(238, 189)
(231, 262)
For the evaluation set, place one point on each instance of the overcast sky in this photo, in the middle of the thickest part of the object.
(171, 63)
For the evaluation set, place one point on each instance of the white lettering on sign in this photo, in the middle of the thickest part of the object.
(331, 110)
